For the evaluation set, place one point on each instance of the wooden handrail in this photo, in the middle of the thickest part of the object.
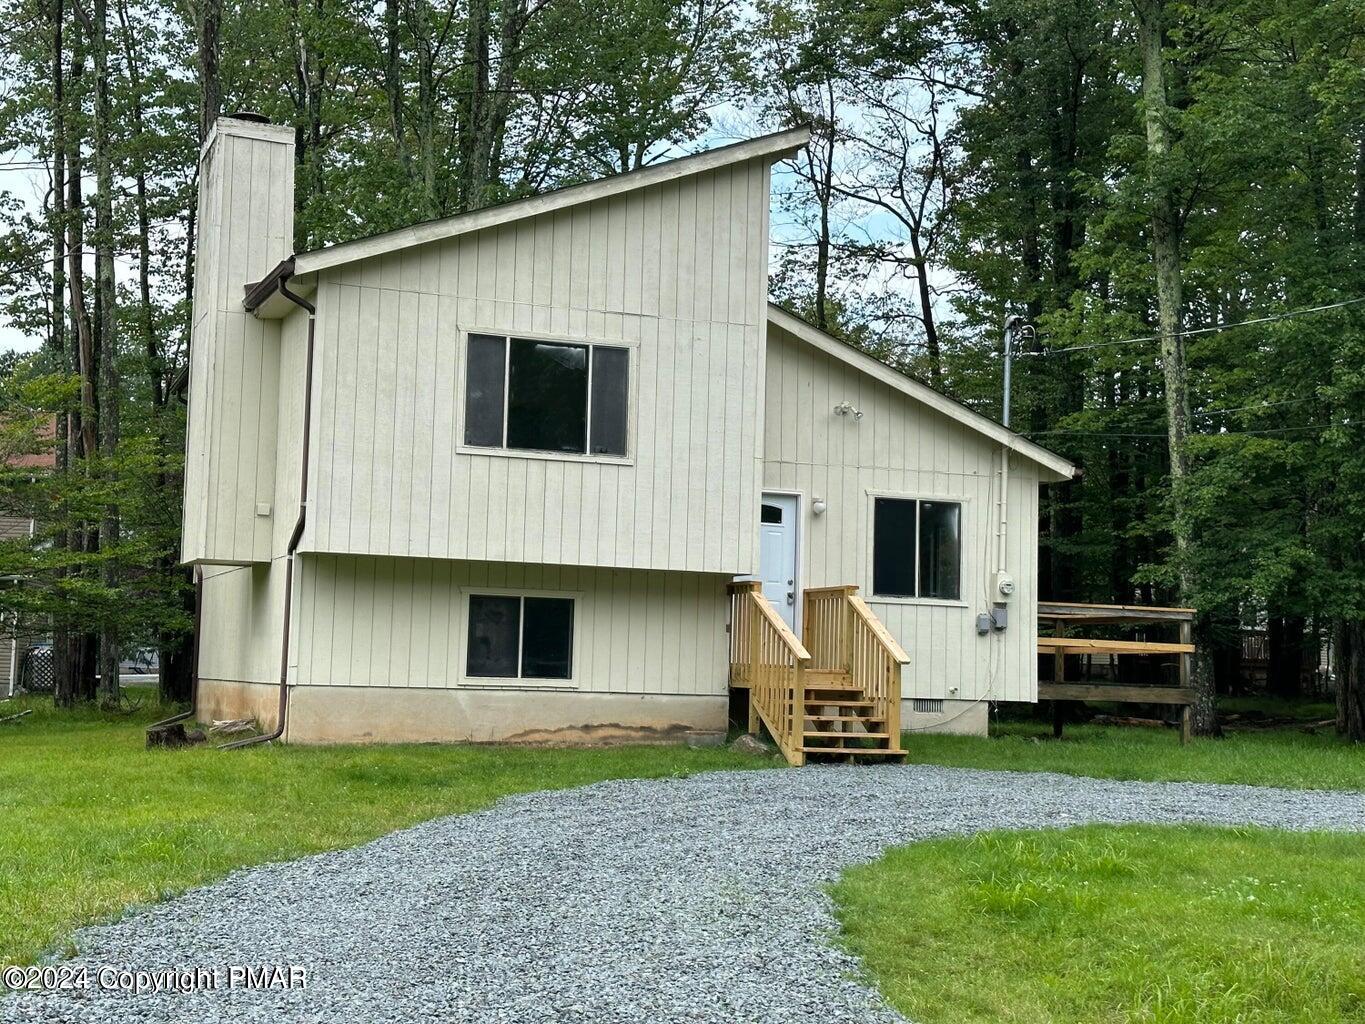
(765, 654)
(1081, 645)
(844, 635)
(894, 649)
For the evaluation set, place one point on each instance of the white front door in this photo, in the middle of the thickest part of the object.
(777, 553)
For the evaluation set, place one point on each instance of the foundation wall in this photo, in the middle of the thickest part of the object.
(957, 717)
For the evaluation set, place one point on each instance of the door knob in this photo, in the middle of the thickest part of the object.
(791, 598)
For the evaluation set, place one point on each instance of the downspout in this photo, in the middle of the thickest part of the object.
(297, 535)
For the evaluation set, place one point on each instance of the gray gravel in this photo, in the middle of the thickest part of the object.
(697, 900)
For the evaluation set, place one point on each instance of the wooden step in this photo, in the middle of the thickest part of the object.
(837, 703)
(860, 751)
(833, 686)
(844, 718)
(847, 735)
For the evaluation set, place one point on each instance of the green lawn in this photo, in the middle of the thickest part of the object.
(1099, 925)
(1285, 757)
(93, 822)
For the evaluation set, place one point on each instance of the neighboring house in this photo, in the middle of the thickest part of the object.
(535, 443)
(15, 639)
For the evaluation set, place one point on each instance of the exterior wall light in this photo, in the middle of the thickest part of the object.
(818, 506)
(845, 408)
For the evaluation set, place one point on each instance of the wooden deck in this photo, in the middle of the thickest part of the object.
(1065, 616)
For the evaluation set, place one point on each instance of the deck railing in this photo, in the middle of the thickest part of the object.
(843, 635)
(766, 656)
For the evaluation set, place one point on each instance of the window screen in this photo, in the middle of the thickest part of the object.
(610, 367)
(893, 548)
(494, 635)
(547, 638)
(547, 396)
(940, 549)
(483, 391)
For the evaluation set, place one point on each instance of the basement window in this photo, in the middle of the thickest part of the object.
(917, 549)
(547, 396)
(520, 637)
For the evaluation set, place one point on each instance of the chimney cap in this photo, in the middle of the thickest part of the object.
(249, 115)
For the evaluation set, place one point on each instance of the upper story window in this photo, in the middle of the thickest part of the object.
(548, 396)
(917, 549)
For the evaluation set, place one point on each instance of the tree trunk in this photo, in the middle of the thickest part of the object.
(1350, 670)
(1166, 232)
(1285, 671)
(105, 299)
(210, 89)
(476, 60)
(63, 688)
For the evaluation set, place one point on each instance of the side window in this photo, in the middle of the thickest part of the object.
(520, 637)
(484, 391)
(528, 395)
(893, 548)
(917, 548)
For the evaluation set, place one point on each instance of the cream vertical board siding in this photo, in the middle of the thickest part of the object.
(400, 622)
(243, 611)
(676, 273)
(901, 448)
(245, 226)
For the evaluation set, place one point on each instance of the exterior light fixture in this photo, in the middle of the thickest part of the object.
(845, 408)
(818, 506)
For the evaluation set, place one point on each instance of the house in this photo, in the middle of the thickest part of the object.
(492, 477)
(17, 637)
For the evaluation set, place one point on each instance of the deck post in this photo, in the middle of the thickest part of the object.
(1058, 676)
(1186, 719)
(751, 609)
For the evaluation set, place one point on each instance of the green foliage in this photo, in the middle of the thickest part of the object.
(1287, 758)
(1147, 925)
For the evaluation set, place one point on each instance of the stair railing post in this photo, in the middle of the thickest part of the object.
(751, 607)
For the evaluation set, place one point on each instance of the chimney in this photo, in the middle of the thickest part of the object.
(245, 227)
(246, 206)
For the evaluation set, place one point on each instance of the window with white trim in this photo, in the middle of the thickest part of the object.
(917, 548)
(512, 637)
(551, 396)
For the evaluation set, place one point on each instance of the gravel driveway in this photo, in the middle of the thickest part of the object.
(696, 900)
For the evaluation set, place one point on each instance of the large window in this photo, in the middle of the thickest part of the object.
(917, 549)
(546, 396)
(520, 637)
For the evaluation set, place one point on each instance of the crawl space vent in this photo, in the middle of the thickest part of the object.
(925, 706)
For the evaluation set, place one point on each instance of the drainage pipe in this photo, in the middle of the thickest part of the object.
(294, 538)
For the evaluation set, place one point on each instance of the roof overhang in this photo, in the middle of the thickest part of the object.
(1056, 467)
(769, 147)
(279, 293)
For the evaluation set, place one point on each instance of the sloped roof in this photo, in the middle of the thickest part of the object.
(921, 392)
(773, 147)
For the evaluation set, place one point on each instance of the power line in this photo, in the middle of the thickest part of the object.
(1269, 431)
(1200, 330)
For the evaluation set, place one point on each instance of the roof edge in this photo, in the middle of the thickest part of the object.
(921, 392)
(773, 147)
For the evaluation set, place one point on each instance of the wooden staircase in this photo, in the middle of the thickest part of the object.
(834, 697)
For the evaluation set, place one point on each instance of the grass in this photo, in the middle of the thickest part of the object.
(1260, 758)
(1141, 925)
(94, 823)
